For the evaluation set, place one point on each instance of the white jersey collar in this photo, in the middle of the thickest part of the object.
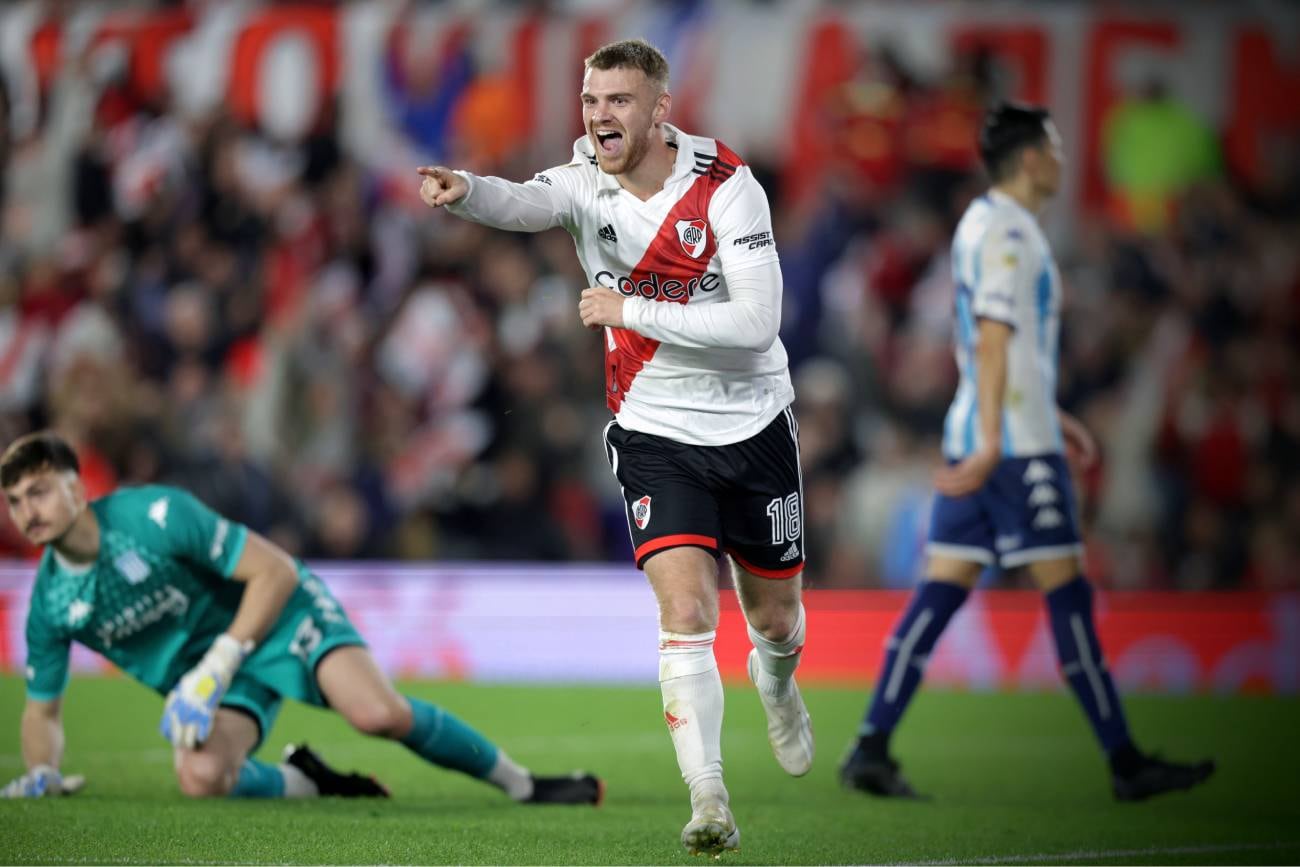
(1000, 198)
(606, 183)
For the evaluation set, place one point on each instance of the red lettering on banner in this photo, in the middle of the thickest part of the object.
(1263, 98)
(46, 46)
(591, 34)
(830, 60)
(526, 72)
(1024, 48)
(1106, 45)
(320, 27)
(147, 38)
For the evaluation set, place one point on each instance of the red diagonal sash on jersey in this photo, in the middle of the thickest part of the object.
(667, 257)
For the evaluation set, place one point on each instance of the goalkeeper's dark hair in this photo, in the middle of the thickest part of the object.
(632, 54)
(35, 452)
(1009, 128)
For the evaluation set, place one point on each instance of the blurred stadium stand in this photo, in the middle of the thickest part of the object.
(214, 269)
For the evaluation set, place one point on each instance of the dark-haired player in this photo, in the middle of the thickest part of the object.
(676, 239)
(223, 623)
(1005, 497)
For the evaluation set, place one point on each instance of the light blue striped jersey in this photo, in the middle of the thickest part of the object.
(1003, 269)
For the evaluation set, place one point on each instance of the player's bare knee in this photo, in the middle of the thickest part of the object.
(687, 615)
(775, 620)
(381, 719)
(201, 775)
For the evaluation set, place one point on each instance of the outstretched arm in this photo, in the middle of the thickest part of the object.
(530, 207)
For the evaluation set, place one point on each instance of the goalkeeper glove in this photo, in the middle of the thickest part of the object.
(42, 781)
(192, 703)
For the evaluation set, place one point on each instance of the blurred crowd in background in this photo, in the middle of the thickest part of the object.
(317, 355)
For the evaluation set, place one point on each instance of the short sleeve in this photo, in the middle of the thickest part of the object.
(47, 655)
(1006, 273)
(198, 534)
(742, 222)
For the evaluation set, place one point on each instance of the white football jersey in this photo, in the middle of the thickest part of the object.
(1004, 270)
(708, 223)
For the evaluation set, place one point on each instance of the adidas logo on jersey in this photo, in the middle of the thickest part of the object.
(607, 233)
(791, 553)
(674, 722)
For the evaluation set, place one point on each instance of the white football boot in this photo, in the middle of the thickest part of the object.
(789, 728)
(712, 829)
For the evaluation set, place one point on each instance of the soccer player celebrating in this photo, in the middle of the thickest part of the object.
(1006, 495)
(226, 625)
(675, 237)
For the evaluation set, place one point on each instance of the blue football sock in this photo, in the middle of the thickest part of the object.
(1079, 652)
(437, 736)
(258, 780)
(906, 654)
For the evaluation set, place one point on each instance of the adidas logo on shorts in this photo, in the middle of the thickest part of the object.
(607, 233)
(791, 553)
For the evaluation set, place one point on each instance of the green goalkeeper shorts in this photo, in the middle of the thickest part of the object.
(312, 624)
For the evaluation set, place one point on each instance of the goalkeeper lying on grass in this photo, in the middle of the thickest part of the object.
(225, 625)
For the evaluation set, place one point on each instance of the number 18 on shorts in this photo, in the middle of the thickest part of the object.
(743, 499)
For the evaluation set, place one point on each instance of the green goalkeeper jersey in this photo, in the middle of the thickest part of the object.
(152, 602)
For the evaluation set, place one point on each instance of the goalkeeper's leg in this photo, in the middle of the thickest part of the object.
(221, 767)
(354, 686)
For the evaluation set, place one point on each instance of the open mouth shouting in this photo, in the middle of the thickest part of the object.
(609, 142)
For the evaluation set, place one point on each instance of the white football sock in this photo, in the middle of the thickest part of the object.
(777, 660)
(514, 779)
(296, 783)
(692, 692)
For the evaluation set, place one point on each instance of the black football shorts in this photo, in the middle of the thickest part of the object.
(743, 499)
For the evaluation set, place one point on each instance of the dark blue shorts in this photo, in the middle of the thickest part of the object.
(1024, 513)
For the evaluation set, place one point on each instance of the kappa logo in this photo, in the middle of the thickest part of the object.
(693, 234)
(607, 233)
(78, 611)
(158, 512)
(641, 512)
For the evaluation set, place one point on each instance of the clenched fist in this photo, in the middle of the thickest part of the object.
(601, 306)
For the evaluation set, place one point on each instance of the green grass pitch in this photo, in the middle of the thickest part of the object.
(1014, 779)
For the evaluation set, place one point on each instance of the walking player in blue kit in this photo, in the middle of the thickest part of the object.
(1005, 497)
